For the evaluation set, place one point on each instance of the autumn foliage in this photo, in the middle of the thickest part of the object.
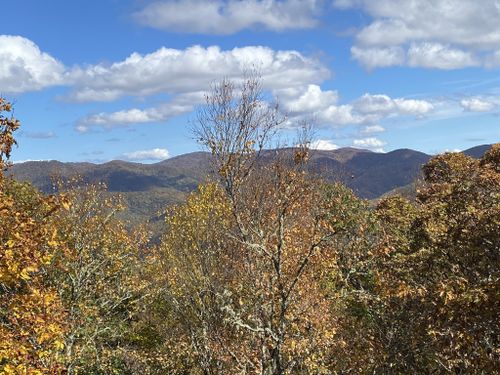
(265, 269)
(31, 314)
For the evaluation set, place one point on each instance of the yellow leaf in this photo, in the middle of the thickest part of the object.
(25, 275)
(66, 205)
(59, 345)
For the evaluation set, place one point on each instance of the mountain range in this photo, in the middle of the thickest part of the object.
(150, 188)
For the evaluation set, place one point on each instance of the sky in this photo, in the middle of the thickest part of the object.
(98, 80)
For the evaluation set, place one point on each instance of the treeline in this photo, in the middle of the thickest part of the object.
(264, 270)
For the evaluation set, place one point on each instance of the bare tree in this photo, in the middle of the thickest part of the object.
(235, 125)
(278, 224)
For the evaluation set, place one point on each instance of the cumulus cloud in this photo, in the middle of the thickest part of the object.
(371, 143)
(153, 154)
(341, 115)
(370, 129)
(120, 118)
(310, 99)
(323, 144)
(228, 16)
(441, 34)
(383, 105)
(24, 67)
(436, 55)
(177, 71)
(378, 57)
(124, 118)
(323, 106)
(313, 102)
(477, 105)
(185, 74)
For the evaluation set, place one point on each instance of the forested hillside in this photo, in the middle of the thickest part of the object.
(265, 269)
(148, 188)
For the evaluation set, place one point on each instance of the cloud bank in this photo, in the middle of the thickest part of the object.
(185, 74)
(438, 34)
(228, 16)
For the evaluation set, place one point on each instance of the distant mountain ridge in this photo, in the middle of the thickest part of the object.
(150, 187)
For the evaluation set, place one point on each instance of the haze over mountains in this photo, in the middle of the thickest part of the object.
(148, 188)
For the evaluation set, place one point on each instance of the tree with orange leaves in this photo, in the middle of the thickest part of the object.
(439, 276)
(31, 314)
(244, 254)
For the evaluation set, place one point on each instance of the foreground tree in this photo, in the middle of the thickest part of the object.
(71, 283)
(31, 314)
(246, 250)
(440, 276)
(98, 276)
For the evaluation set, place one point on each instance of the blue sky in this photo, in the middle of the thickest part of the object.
(120, 79)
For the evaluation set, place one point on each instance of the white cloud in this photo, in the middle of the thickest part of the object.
(371, 143)
(120, 118)
(369, 103)
(23, 67)
(441, 34)
(370, 129)
(477, 105)
(463, 22)
(178, 106)
(27, 161)
(323, 144)
(153, 154)
(185, 74)
(175, 71)
(377, 57)
(413, 106)
(341, 115)
(311, 102)
(382, 105)
(228, 16)
(312, 99)
(435, 55)
(323, 108)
